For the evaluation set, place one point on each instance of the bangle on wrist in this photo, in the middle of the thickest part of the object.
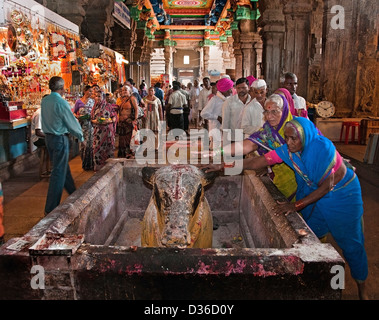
(299, 205)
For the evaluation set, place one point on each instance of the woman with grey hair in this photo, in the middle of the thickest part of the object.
(267, 138)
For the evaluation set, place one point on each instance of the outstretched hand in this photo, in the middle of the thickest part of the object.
(284, 207)
(211, 167)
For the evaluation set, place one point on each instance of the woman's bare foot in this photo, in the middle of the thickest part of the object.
(362, 290)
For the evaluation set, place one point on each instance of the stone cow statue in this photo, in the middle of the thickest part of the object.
(178, 214)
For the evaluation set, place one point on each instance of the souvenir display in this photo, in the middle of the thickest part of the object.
(34, 52)
(31, 56)
(12, 38)
(17, 17)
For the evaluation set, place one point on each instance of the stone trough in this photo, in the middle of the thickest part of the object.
(89, 248)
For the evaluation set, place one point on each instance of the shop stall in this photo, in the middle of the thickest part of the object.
(103, 67)
(35, 44)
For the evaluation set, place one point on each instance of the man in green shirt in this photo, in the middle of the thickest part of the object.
(57, 122)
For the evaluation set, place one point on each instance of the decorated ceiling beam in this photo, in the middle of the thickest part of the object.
(186, 27)
(216, 16)
(148, 5)
(142, 11)
(224, 13)
(225, 19)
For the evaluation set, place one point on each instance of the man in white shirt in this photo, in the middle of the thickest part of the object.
(213, 111)
(290, 83)
(252, 117)
(37, 137)
(232, 108)
(176, 103)
(194, 99)
(203, 96)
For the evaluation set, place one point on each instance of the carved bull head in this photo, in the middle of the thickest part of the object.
(179, 204)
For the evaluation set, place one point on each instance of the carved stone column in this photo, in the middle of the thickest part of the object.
(315, 54)
(206, 61)
(73, 10)
(230, 47)
(201, 62)
(339, 57)
(226, 55)
(97, 21)
(367, 75)
(248, 37)
(168, 61)
(273, 28)
(237, 53)
(297, 19)
(133, 40)
(258, 48)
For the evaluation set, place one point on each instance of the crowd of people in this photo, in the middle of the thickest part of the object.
(276, 134)
(303, 164)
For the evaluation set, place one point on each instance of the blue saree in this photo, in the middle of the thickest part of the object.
(340, 210)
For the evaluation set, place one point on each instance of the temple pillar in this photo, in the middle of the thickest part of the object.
(237, 53)
(247, 38)
(315, 54)
(226, 55)
(72, 10)
(168, 51)
(297, 20)
(134, 50)
(206, 60)
(366, 100)
(146, 55)
(258, 48)
(273, 32)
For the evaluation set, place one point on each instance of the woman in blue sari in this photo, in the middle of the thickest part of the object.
(328, 191)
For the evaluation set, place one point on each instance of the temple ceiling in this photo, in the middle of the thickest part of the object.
(169, 22)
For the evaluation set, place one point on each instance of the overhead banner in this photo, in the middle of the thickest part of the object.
(122, 14)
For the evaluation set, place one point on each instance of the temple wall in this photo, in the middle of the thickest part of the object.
(340, 50)
(332, 46)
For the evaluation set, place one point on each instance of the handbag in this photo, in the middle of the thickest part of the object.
(141, 113)
(135, 140)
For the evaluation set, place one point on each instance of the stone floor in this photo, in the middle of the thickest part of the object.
(25, 195)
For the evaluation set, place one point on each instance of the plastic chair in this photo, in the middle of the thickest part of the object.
(347, 125)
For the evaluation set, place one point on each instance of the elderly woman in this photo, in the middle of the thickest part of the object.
(153, 110)
(154, 113)
(328, 194)
(103, 118)
(270, 137)
(82, 111)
